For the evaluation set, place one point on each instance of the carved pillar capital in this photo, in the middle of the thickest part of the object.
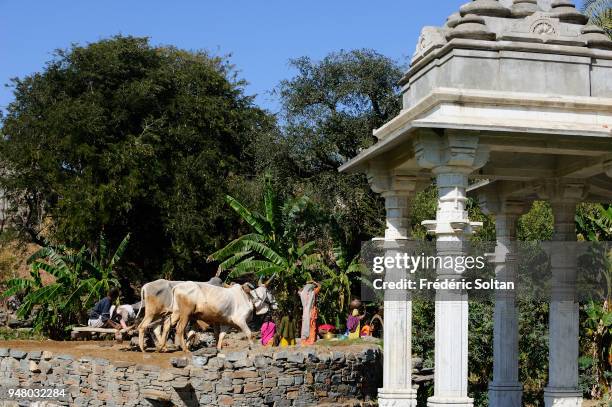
(451, 156)
(384, 181)
(456, 152)
(559, 191)
(492, 203)
(563, 197)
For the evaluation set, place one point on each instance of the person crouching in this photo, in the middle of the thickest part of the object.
(100, 315)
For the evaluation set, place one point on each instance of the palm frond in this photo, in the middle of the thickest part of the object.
(311, 261)
(94, 292)
(271, 204)
(120, 251)
(17, 285)
(356, 267)
(48, 268)
(605, 216)
(58, 260)
(235, 246)
(102, 248)
(266, 252)
(232, 261)
(599, 13)
(254, 266)
(77, 294)
(270, 271)
(254, 221)
(43, 296)
(306, 248)
(339, 247)
(42, 253)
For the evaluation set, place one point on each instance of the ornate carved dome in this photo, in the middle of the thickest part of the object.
(554, 22)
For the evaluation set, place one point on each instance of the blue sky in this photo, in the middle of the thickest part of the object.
(261, 35)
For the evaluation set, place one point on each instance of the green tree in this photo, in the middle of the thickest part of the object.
(594, 222)
(122, 136)
(79, 279)
(329, 110)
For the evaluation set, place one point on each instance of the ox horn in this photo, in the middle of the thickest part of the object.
(260, 281)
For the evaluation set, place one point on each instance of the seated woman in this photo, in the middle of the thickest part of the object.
(268, 330)
(100, 315)
(286, 332)
(367, 330)
(353, 324)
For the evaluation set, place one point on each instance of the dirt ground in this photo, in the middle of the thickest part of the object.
(116, 352)
(96, 349)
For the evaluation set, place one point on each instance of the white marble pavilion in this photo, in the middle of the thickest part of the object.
(517, 95)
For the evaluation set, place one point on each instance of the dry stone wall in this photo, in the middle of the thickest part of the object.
(293, 377)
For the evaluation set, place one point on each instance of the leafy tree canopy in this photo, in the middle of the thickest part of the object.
(122, 136)
(329, 109)
(332, 106)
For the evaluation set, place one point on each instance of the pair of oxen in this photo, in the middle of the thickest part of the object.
(175, 303)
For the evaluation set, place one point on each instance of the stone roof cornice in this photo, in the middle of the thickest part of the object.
(497, 46)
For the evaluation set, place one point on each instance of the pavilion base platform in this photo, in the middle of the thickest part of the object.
(560, 397)
(505, 394)
(450, 401)
(397, 398)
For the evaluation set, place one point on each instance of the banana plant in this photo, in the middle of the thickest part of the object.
(337, 279)
(101, 269)
(79, 278)
(272, 248)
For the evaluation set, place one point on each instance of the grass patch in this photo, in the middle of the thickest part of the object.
(8, 334)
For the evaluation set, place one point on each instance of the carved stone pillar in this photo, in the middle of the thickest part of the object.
(451, 157)
(505, 390)
(397, 189)
(562, 389)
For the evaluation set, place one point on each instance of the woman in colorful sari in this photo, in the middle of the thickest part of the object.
(268, 330)
(353, 324)
(308, 295)
(286, 332)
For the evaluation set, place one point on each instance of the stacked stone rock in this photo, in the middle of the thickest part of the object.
(301, 377)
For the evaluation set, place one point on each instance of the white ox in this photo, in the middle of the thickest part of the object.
(156, 298)
(219, 306)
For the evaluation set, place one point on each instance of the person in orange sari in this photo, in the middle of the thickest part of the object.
(308, 295)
